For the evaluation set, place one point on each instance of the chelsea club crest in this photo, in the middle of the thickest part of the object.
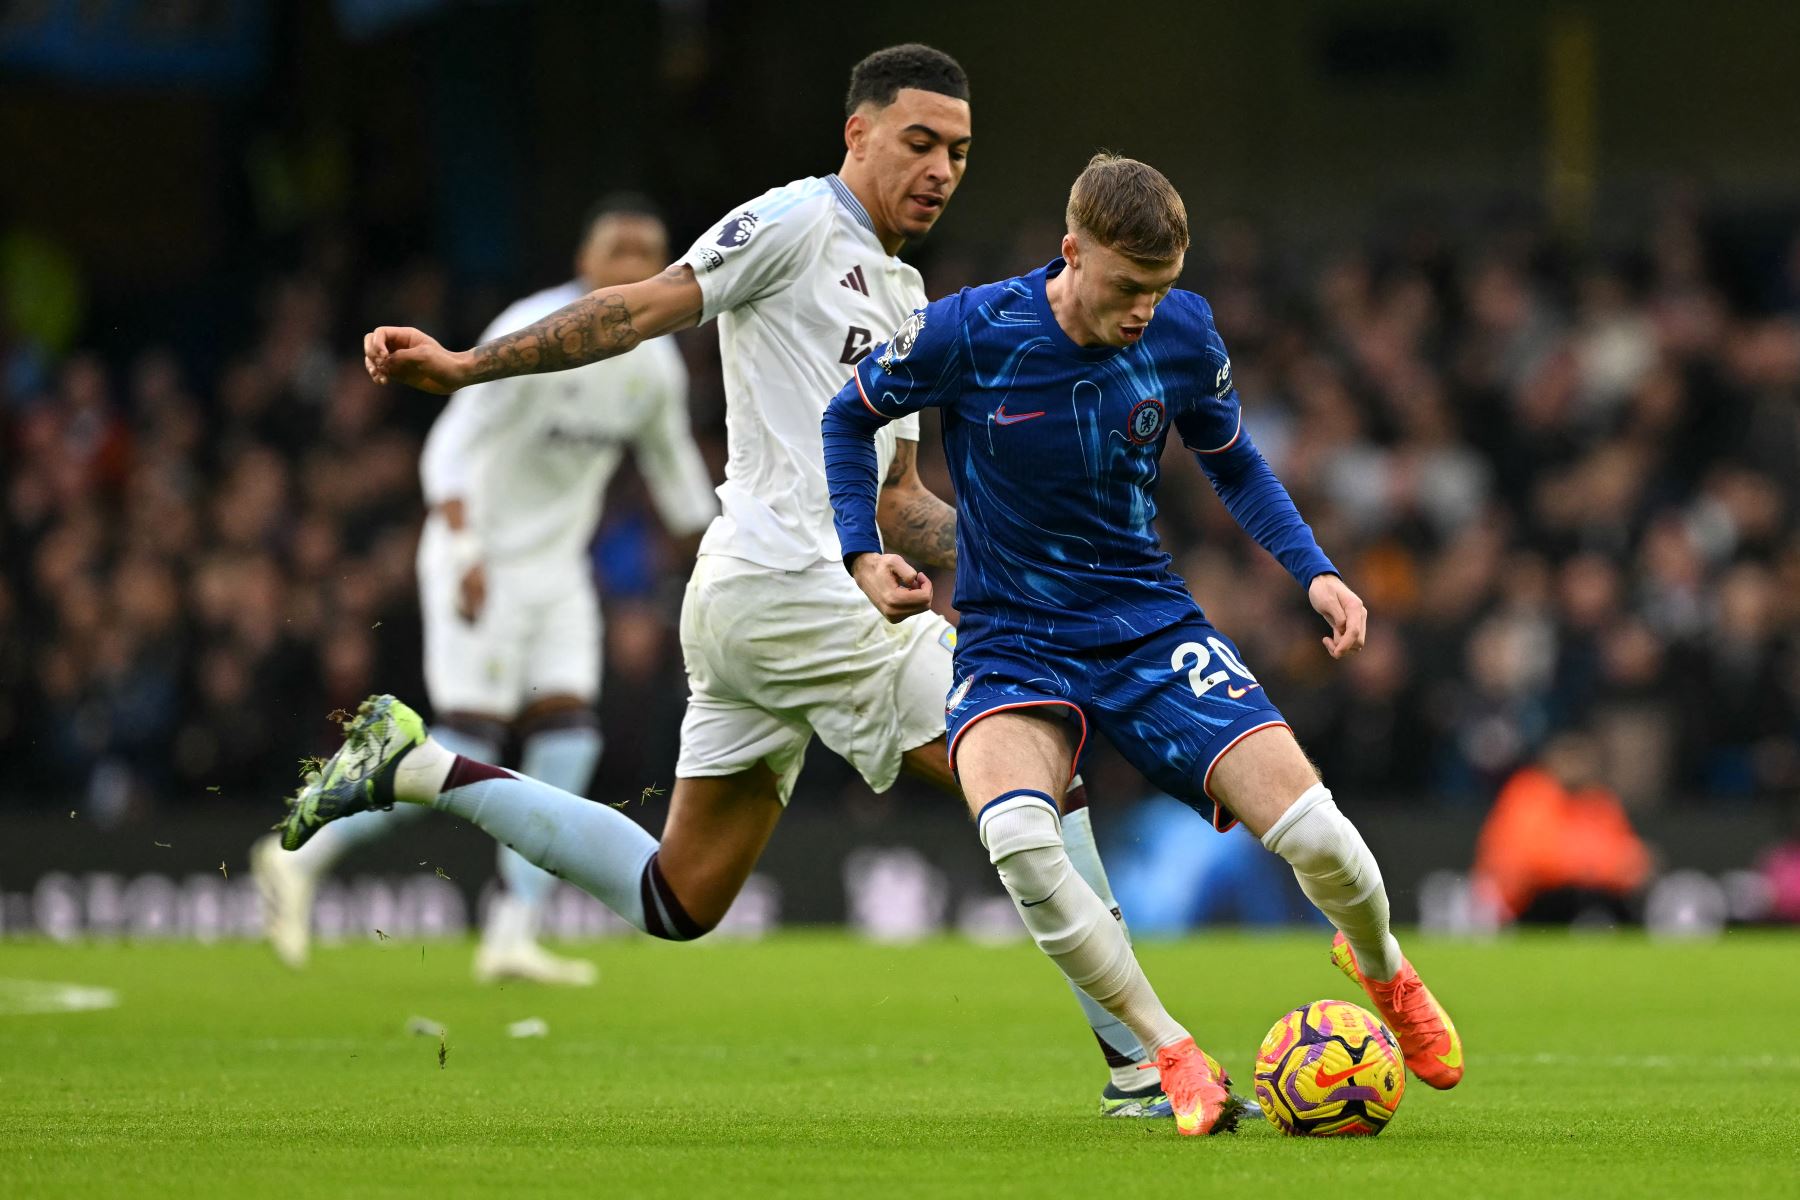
(1146, 420)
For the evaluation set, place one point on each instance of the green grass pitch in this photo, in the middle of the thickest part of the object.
(814, 1065)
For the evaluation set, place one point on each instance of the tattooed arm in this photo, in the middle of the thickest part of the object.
(599, 325)
(914, 523)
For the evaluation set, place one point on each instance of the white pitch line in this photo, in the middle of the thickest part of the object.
(28, 997)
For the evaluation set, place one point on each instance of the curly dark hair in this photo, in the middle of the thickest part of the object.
(880, 76)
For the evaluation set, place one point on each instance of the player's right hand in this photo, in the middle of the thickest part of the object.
(892, 585)
(471, 594)
(401, 354)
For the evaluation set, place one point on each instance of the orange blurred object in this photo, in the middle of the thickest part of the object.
(1543, 835)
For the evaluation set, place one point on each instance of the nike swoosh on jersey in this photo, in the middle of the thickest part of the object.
(1002, 417)
(1238, 693)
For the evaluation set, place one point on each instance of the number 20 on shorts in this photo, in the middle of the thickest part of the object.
(1198, 679)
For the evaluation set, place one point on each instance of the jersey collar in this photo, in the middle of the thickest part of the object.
(1041, 297)
(848, 199)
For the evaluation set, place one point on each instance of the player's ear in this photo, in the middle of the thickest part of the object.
(1071, 250)
(856, 133)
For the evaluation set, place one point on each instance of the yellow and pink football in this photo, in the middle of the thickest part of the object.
(1330, 1069)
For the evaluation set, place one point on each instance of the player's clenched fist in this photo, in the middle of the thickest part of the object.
(397, 354)
(892, 585)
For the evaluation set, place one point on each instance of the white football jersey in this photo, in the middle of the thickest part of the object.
(802, 289)
(530, 456)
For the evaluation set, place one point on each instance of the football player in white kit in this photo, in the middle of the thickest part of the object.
(778, 641)
(515, 472)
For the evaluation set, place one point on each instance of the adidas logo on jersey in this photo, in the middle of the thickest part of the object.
(855, 281)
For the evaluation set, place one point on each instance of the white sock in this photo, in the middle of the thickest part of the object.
(420, 775)
(1120, 1042)
(1066, 919)
(1340, 877)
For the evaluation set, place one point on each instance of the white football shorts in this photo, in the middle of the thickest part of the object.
(537, 635)
(774, 657)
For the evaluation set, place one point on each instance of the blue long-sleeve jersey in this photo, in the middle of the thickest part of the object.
(1054, 449)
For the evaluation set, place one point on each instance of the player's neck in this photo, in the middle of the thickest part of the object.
(865, 193)
(1060, 292)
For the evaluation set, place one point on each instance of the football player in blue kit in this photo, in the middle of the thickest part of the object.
(1057, 392)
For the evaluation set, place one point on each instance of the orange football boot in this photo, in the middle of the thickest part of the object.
(1433, 1051)
(1197, 1088)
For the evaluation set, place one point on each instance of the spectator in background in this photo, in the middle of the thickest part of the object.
(1740, 702)
(1557, 845)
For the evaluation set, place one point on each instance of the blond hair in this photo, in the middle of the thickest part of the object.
(1129, 206)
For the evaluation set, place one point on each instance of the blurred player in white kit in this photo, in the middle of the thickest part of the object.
(514, 472)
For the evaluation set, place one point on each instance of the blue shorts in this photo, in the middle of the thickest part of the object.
(1172, 703)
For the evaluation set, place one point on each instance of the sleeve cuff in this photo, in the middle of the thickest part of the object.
(851, 552)
(1317, 567)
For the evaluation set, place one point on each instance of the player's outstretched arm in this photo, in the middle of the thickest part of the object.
(599, 325)
(913, 521)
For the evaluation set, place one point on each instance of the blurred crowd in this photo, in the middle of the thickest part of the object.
(196, 569)
(1565, 484)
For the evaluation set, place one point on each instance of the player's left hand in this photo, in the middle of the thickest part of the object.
(1343, 610)
(893, 585)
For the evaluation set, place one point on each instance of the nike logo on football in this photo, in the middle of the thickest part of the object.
(1034, 903)
(1323, 1078)
(1238, 693)
(1002, 417)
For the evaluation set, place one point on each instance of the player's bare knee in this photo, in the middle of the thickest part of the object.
(1261, 778)
(1005, 752)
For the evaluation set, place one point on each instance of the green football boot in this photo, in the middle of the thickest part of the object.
(360, 776)
(1153, 1103)
(1150, 1102)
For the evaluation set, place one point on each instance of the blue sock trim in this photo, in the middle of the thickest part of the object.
(1014, 795)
